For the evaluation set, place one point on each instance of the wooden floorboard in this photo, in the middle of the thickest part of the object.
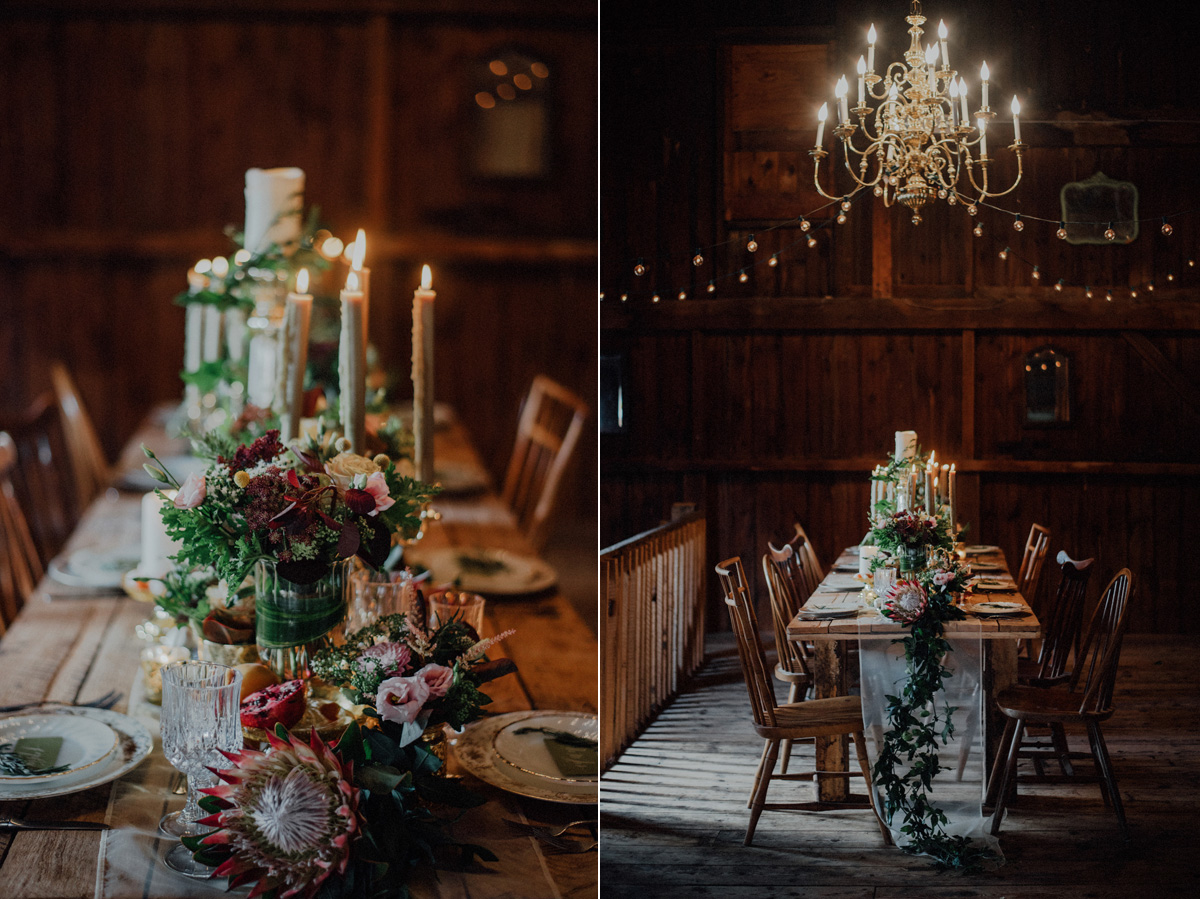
(673, 807)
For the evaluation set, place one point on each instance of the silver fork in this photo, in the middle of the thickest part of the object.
(553, 836)
(107, 701)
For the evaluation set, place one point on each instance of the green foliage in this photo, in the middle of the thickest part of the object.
(186, 592)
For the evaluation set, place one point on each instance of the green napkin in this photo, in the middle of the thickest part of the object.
(573, 761)
(39, 752)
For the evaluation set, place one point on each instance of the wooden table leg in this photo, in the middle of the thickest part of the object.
(832, 753)
(999, 673)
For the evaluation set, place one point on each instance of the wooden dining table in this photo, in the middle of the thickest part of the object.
(73, 646)
(832, 638)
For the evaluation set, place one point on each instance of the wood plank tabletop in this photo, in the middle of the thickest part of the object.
(78, 647)
(840, 590)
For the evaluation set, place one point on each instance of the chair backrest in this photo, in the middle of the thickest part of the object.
(1064, 619)
(549, 427)
(44, 479)
(89, 467)
(813, 568)
(784, 605)
(1095, 671)
(1030, 574)
(745, 627)
(20, 568)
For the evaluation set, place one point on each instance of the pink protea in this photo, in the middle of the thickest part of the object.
(288, 817)
(393, 658)
(905, 602)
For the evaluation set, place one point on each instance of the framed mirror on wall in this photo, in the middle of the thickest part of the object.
(1047, 388)
(513, 117)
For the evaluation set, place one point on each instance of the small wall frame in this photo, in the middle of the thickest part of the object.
(1090, 206)
(1047, 388)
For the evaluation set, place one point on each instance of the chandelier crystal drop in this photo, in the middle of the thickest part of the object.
(921, 137)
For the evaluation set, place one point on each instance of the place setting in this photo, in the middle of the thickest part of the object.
(488, 570)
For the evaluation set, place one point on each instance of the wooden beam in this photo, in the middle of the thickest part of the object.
(1183, 386)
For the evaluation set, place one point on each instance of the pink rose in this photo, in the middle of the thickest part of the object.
(942, 578)
(393, 658)
(438, 679)
(192, 493)
(401, 699)
(376, 485)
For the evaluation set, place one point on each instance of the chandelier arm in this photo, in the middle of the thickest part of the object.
(817, 174)
(1020, 172)
(846, 157)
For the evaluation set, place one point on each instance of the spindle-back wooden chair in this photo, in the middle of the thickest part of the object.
(20, 567)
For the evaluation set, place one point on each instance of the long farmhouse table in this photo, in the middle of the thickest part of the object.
(832, 638)
(68, 646)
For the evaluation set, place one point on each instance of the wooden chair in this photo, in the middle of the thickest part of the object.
(89, 467)
(551, 421)
(43, 479)
(1029, 576)
(792, 667)
(1086, 701)
(814, 571)
(20, 567)
(792, 721)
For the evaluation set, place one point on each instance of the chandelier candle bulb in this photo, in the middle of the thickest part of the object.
(931, 55)
(983, 76)
(822, 115)
(962, 96)
(296, 322)
(954, 100)
(943, 33)
(840, 91)
(871, 49)
(862, 82)
(352, 366)
(982, 123)
(422, 375)
(1016, 113)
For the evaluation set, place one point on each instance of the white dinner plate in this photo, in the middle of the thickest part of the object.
(95, 567)
(819, 612)
(998, 609)
(85, 742)
(475, 750)
(497, 571)
(980, 550)
(133, 745)
(521, 747)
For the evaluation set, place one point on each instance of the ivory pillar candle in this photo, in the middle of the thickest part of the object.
(865, 555)
(422, 375)
(157, 547)
(364, 283)
(953, 497)
(296, 322)
(906, 444)
(944, 486)
(930, 496)
(274, 200)
(193, 337)
(352, 367)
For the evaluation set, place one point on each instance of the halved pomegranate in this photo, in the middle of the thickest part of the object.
(277, 704)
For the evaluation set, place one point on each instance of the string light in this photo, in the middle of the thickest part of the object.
(1150, 287)
(655, 298)
(683, 294)
(752, 244)
(972, 209)
(640, 268)
(1088, 292)
(712, 286)
(1170, 276)
(602, 296)
(1133, 294)
(624, 298)
(1037, 275)
(804, 224)
(1166, 227)
(1191, 263)
(1059, 285)
(1018, 225)
(1109, 233)
(1108, 296)
(978, 230)
(1004, 253)
(846, 204)
(743, 277)
(1061, 233)
(698, 259)
(841, 219)
(774, 260)
(812, 241)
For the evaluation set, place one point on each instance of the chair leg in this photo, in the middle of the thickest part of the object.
(1104, 763)
(762, 760)
(1059, 737)
(1010, 771)
(786, 747)
(760, 793)
(997, 772)
(860, 749)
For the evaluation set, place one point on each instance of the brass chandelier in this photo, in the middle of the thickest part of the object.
(920, 137)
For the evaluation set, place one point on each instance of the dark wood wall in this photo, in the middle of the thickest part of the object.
(769, 401)
(128, 127)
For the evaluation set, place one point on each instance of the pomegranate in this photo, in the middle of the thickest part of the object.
(277, 704)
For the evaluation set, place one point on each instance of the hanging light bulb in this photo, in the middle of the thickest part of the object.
(805, 224)
(1018, 225)
(1037, 275)
(1150, 287)
(743, 277)
(1061, 233)
(1170, 276)
(1059, 285)
(774, 260)
(602, 296)
(812, 241)
(952, 200)
(640, 268)
(1108, 296)
(1087, 291)
(624, 298)
(841, 219)
(1191, 263)
(712, 286)
(972, 209)
(1109, 233)
(752, 244)
(655, 298)
(845, 205)
(683, 294)
(698, 259)
(1166, 227)
(978, 230)
(1004, 253)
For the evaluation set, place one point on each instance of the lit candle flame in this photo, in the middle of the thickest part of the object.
(931, 54)
(302, 281)
(943, 32)
(953, 90)
(220, 267)
(241, 257)
(360, 251)
(841, 87)
(862, 66)
(984, 73)
(871, 35)
(1015, 106)
(204, 266)
(822, 115)
(426, 278)
(352, 281)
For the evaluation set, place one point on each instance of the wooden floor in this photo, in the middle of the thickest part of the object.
(673, 812)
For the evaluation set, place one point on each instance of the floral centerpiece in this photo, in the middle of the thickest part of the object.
(354, 818)
(909, 535)
(295, 522)
(916, 724)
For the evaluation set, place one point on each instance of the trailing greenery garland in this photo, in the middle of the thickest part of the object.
(916, 725)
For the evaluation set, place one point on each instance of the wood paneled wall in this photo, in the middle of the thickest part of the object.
(769, 401)
(128, 129)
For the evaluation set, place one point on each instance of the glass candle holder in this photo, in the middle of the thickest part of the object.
(376, 594)
(154, 659)
(450, 604)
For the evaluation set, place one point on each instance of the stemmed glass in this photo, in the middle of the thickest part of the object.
(200, 715)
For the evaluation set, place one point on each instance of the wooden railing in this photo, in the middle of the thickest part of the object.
(651, 626)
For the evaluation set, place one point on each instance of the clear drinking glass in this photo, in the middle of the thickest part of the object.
(375, 594)
(200, 715)
(467, 607)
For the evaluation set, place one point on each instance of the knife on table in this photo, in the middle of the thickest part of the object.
(22, 824)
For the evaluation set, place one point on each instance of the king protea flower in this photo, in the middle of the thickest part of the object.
(288, 817)
(905, 602)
